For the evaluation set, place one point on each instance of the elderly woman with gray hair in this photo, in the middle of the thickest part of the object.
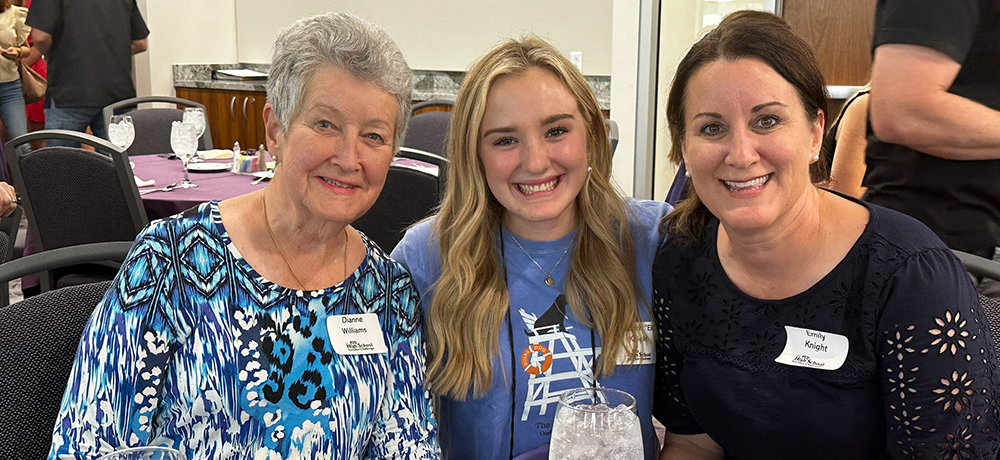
(234, 332)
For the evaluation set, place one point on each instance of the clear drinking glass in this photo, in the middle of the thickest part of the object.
(121, 132)
(196, 116)
(145, 453)
(596, 423)
(184, 143)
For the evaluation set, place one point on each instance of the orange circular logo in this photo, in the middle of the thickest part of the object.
(529, 353)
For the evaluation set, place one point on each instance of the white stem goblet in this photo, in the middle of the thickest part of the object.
(184, 143)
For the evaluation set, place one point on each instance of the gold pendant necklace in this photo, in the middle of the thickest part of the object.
(274, 240)
(548, 275)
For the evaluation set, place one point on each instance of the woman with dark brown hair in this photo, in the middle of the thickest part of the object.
(796, 322)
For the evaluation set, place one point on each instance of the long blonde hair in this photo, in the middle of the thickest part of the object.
(471, 299)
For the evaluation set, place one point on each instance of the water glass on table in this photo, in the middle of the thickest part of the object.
(196, 116)
(184, 143)
(145, 453)
(121, 131)
(596, 423)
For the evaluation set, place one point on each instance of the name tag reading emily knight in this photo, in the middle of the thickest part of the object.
(813, 349)
(356, 334)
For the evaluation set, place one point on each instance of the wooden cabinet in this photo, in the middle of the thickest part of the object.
(841, 34)
(232, 115)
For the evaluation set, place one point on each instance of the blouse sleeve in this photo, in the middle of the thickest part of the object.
(117, 379)
(21, 30)
(669, 405)
(938, 365)
(405, 428)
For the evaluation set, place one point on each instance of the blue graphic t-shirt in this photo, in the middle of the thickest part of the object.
(552, 350)
(192, 349)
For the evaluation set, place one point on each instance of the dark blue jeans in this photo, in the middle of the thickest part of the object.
(75, 119)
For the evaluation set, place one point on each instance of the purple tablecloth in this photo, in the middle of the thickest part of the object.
(211, 186)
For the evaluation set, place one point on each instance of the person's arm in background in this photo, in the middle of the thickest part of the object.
(911, 106)
(848, 168)
(8, 199)
(139, 46)
(42, 40)
(690, 447)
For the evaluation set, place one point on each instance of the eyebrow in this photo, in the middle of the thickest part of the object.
(755, 109)
(548, 120)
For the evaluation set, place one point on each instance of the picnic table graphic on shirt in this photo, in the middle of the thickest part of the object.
(550, 342)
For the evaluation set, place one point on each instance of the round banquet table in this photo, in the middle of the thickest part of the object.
(211, 186)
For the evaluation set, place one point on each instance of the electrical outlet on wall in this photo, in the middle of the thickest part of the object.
(576, 57)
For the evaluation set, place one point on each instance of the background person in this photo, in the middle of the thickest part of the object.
(849, 136)
(13, 46)
(532, 242)
(795, 322)
(239, 329)
(935, 111)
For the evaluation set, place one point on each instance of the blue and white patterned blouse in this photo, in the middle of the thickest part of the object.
(192, 349)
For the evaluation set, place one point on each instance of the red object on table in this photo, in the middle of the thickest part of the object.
(211, 186)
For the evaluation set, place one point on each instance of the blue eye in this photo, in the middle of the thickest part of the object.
(323, 124)
(375, 137)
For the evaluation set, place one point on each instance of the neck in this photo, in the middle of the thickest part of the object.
(297, 231)
(547, 230)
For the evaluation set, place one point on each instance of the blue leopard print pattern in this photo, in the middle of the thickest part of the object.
(192, 349)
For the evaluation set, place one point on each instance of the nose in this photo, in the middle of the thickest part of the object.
(535, 156)
(743, 150)
(347, 151)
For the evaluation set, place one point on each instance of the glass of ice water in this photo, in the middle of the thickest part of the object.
(121, 132)
(145, 453)
(196, 116)
(184, 143)
(596, 423)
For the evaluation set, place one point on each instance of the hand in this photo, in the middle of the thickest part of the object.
(10, 53)
(8, 199)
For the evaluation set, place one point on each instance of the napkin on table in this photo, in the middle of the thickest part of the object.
(143, 183)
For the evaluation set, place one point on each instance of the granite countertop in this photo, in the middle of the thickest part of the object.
(427, 84)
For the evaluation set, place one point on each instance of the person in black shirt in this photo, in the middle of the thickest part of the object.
(794, 322)
(88, 47)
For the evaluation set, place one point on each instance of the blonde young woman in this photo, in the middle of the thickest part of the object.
(533, 255)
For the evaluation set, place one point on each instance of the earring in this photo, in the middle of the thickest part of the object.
(815, 158)
(687, 173)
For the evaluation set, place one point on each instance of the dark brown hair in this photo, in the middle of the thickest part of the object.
(743, 34)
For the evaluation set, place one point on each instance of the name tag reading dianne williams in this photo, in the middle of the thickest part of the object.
(356, 334)
(814, 349)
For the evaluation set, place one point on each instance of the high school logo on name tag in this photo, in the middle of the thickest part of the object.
(645, 348)
(356, 334)
(814, 349)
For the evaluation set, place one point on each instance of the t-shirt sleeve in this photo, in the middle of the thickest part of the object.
(938, 366)
(417, 253)
(139, 29)
(116, 383)
(45, 15)
(405, 427)
(946, 26)
(669, 405)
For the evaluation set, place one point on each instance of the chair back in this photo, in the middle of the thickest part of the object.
(428, 131)
(152, 125)
(409, 196)
(38, 342)
(980, 266)
(612, 134)
(432, 105)
(74, 196)
(678, 188)
(441, 162)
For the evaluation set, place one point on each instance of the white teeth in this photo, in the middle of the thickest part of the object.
(529, 189)
(338, 184)
(731, 185)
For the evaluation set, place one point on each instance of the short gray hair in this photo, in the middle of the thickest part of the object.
(343, 40)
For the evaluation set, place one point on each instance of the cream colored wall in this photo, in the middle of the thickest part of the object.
(445, 34)
(184, 32)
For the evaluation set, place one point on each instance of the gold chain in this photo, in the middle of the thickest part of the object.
(282, 254)
(548, 275)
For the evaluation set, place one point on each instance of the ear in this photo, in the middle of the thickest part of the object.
(817, 134)
(273, 134)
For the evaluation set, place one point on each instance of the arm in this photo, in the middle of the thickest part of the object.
(690, 447)
(8, 199)
(849, 158)
(405, 427)
(139, 46)
(936, 362)
(42, 40)
(911, 106)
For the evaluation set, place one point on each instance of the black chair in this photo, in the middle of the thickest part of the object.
(38, 342)
(409, 196)
(152, 125)
(983, 267)
(612, 134)
(431, 158)
(74, 196)
(428, 131)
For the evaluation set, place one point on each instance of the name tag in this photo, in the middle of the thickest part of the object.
(813, 349)
(356, 334)
(645, 348)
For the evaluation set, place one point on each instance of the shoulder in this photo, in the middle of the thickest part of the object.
(645, 217)
(19, 12)
(901, 231)
(418, 244)
(204, 215)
